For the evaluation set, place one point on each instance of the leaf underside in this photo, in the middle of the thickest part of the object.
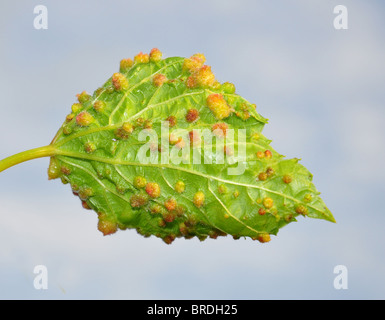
(97, 155)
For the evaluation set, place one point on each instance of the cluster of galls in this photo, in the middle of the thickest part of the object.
(268, 203)
(169, 210)
(80, 111)
(201, 76)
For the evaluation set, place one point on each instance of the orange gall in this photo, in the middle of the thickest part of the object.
(171, 121)
(287, 179)
(220, 129)
(159, 79)
(153, 189)
(155, 55)
(192, 115)
(170, 204)
(119, 81)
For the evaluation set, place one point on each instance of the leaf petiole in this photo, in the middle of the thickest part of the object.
(46, 151)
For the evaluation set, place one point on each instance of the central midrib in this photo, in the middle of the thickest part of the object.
(119, 162)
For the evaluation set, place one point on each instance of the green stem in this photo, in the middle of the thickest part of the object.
(41, 152)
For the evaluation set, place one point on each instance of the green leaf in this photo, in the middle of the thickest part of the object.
(164, 148)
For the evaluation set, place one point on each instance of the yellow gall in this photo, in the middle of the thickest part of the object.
(218, 106)
(264, 237)
(301, 209)
(255, 136)
(236, 194)
(155, 54)
(193, 63)
(180, 186)
(156, 208)
(199, 199)
(76, 107)
(268, 203)
(153, 189)
(54, 171)
(99, 106)
(124, 131)
(262, 176)
(69, 117)
(119, 81)
(204, 77)
(228, 87)
(142, 58)
(140, 182)
(83, 97)
(84, 119)
(199, 56)
(260, 154)
(128, 127)
(89, 147)
(125, 64)
(287, 179)
(159, 79)
(216, 85)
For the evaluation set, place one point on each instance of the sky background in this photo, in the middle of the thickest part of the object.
(322, 90)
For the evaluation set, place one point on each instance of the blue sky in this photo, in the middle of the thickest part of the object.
(320, 88)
